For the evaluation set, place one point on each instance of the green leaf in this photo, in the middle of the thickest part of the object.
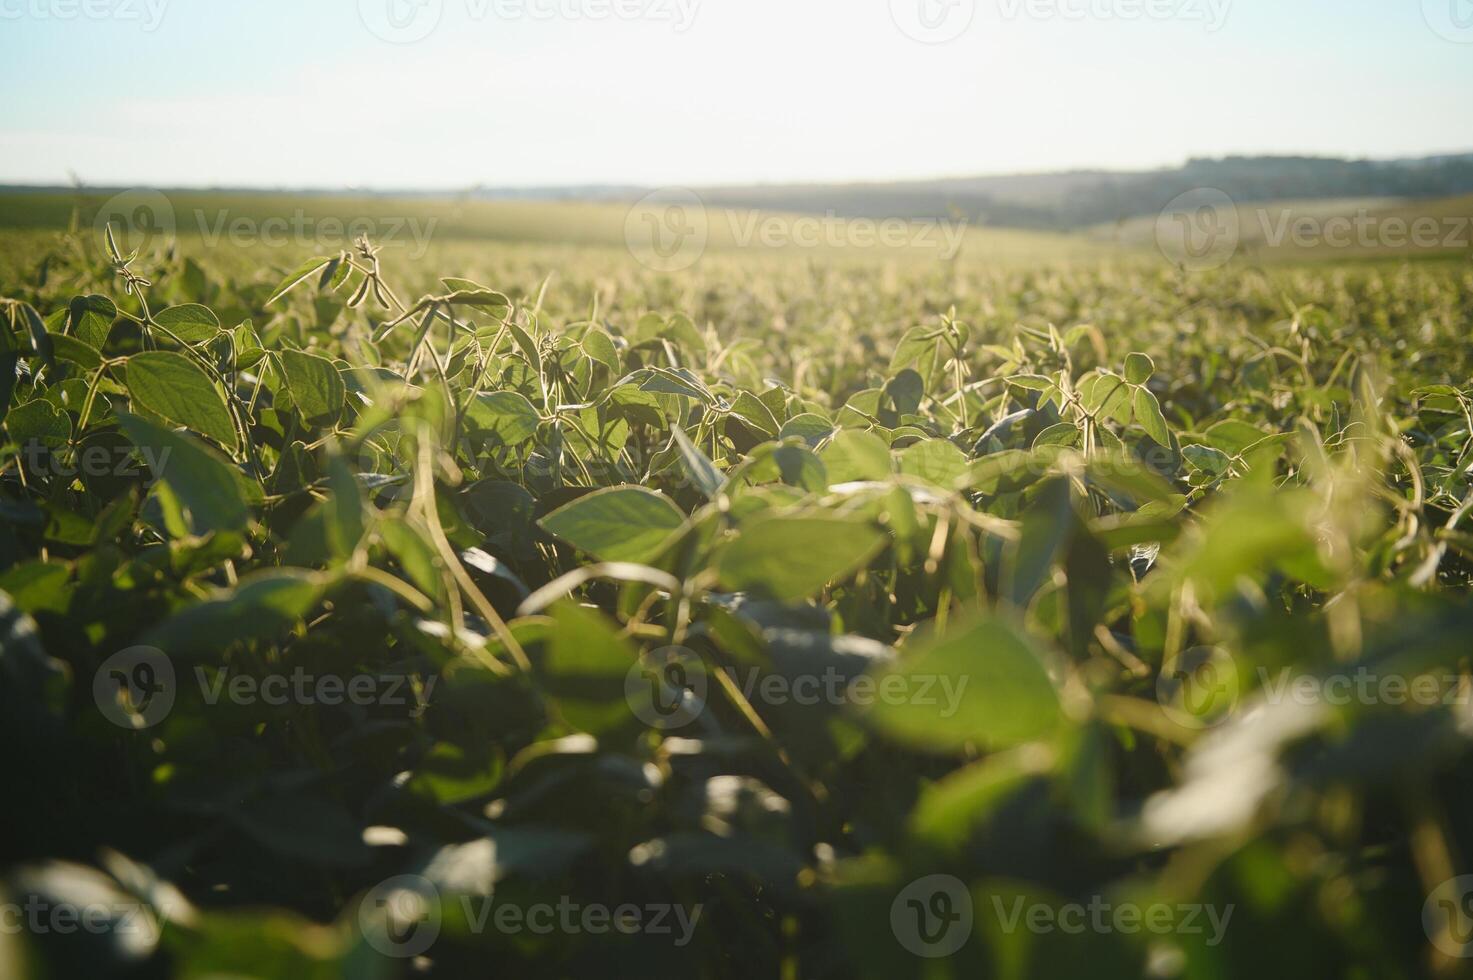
(1148, 416)
(856, 456)
(1248, 533)
(1128, 477)
(507, 415)
(1106, 396)
(1031, 382)
(797, 466)
(17, 320)
(344, 509)
(191, 323)
(73, 350)
(1233, 436)
(261, 607)
(173, 387)
(905, 392)
(617, 524)
(458, 285)
(791, 558)
(315, 386)
(586, 663)
(1087, 567)
(1205, 459)
(812, 429)
(38, 586)
(934, 460)
(1065, 434)
(306, 825)
(527, 345)
(198, 489)
(990, 473)
(477, 297)
(698, 466)
(298, 276)
(598, 345)
(918, 344)
(950, 810)
(755, 414)
(1139, 368)
(982, 682)
(39, 421)
(32, 685)
(450, 775)
(670, 383)
(90, 320)
(8, 362)
(415, 555)
(498, 508)
(1046, 529)
(10, 328)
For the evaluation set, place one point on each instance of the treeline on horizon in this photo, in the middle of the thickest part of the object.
(1084, 199)
(1061, 202)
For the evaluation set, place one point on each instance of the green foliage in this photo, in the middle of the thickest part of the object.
(846, 577)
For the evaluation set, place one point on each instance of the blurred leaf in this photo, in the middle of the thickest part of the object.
(934, 460)
(982, 682)
(853, 456)
(199, 491)
(791, 558)
(261, 607)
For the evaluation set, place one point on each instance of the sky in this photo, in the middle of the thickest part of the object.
(448, 94)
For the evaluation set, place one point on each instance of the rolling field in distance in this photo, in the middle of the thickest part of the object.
(289, 226)
(1329, 230)
(206, 219)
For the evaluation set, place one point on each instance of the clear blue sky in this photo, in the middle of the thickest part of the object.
(526, 92)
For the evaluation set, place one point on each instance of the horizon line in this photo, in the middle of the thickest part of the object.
(510, 189)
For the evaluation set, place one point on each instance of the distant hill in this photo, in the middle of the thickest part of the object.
(1081, 199)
